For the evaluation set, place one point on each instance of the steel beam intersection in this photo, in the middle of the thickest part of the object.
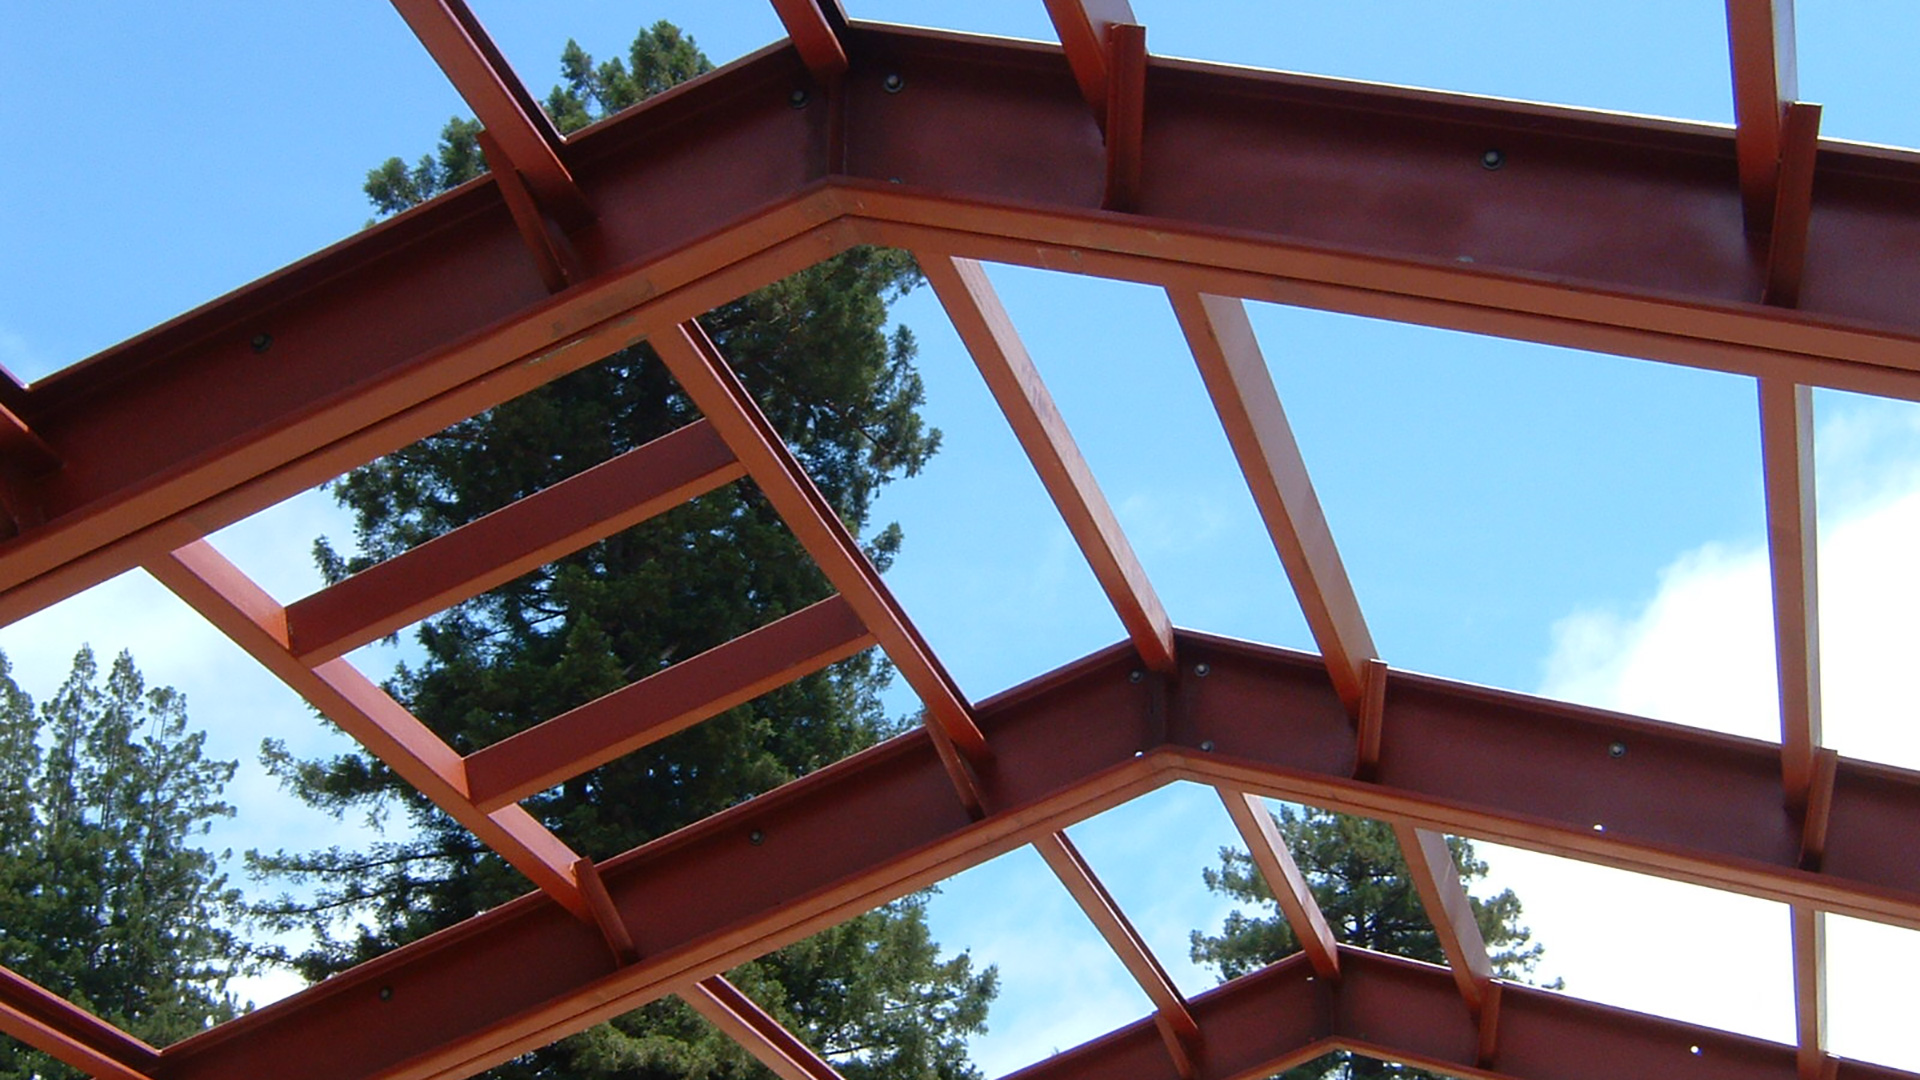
(1682, 803)
(278, 386)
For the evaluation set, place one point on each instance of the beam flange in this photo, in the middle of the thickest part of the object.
(988, 332)
(714, 388)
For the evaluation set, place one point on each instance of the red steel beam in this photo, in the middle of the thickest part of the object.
(1180, 1033)
(1437, 879)
(741, 1019)
(1284, 879)
(990, 337)
(478, 70)
(670, 700)
(522, 536)
(1083, 26)
(705, 377)
(1228, 353)
(1793, 205)
(1681, 803)
(1760, 40)
(813, 37)
(355, 365)
(1786, 454)
(1810, 990)
(46, 1021)
(1126, 113)
(1402, 1010)
(228, 599)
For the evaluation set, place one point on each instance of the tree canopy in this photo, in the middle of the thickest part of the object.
(1359, 878)
(104, 897)
(874, 993)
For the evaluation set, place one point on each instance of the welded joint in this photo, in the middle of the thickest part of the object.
(1370, 722)
(553, 254)
(960, 771)
(1126, 114)
(606, 917)
(1487, 1017)
(1183, 1046)
(1792, 204)
(1818, 815)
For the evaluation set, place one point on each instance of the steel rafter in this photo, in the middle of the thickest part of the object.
(1673, 241)
(1681, 803)
(988, 168)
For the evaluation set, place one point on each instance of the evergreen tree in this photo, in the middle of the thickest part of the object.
(874, 993)
(103, 898)
(1359, 878)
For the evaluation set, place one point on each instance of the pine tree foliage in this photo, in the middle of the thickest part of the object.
(1359, 878)
(874, 993)
(104, 897)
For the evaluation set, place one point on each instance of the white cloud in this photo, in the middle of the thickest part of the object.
(1700, 652)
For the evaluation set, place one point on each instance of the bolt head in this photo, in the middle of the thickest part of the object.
(1207, 745)
(386, 993)
(1492, 159)
(1203, 670)
(262, 342)
(893, 83)
(1136, 675)
(1618, 750)
(756, 837)
(798, 99)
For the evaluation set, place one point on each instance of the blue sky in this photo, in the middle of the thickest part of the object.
(1527, 517)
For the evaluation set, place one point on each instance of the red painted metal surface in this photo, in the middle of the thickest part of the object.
(1682, 803)
(704, 375)
(1126, 113)
(1435, 876)
(1793, 204)
(1289, 207)
(669, 700)
(1237, 379)
(46, 1021)
(1651, 238)
(987, 330)
(1282, 875)
(476, 67)
(228, 599)
(813, 37)
(1810, 990)
(509, 542)
(744, 1021)
(1786, 454)
(1179, 1032)
(1760, 38)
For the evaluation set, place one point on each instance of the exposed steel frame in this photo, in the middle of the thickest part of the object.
(1799, 261)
